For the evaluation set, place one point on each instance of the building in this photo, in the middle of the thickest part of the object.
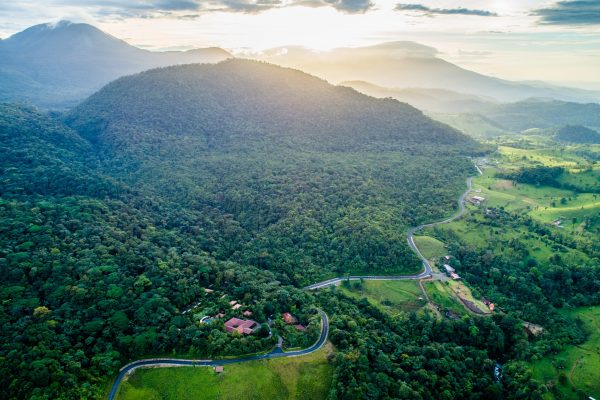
(243, 326)
(301, 328)
(219, 369)
(477, 200)
(289, 318)
(449, 269)
(454, 276)
(247, 313)
(208, 291)
(447, 258)
(236, 306)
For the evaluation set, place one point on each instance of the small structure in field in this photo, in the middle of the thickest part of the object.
(243, 326)
(219, 369)
(247, 313)
(447, 258)
(449, 269)
(289, 318)
(208, 291)
(454, 276)
(301, 328)
(532, 329)
(491, 306)
(236, 306)
(477, 200)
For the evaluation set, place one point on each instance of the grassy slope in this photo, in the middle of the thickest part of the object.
(305, 377)
(392, 296)
(430, 247)
(581, 363)
(442, 295)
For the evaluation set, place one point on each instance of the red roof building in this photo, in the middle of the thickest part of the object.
(243, 326)
(247, 313)
(289, 318)
(301, 328)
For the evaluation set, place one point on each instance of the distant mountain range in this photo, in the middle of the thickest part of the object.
(436, 100)
(409, 65)
(485, 117)
(57, 65)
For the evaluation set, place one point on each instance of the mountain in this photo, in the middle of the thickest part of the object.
(577, 134)
(540, 113)
(57, 65)
(434, 100)
(283, 169)
(412, 65)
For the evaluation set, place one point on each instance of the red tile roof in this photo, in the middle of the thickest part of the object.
(243, 326)
(289, 318)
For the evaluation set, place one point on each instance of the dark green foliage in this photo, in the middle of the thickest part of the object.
(545, 176)
(577, 134)
(420, 357)
(535, 113)
(244, 177)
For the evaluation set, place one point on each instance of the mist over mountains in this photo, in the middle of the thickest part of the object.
(58, 65)
(402, 65)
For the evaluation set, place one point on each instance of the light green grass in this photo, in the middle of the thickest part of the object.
(581, 363)
(303, 377)
(441, 294)
(391, 296)
(430, 247)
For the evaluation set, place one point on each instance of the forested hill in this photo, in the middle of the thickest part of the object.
(244, 177)
(252, 105)
(279, 168)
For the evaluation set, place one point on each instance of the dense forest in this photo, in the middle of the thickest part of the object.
(577, 134)
(247, 178)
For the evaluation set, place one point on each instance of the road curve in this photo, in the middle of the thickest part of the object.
(411, 242)
(177, 362)
(277, 352)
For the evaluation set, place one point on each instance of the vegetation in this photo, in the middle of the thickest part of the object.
(307, 377)
(392, 296)
(577, 134)
(574, 371)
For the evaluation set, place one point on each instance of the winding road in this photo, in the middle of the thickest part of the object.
(178, 362)
(277, 351)
(411, 242)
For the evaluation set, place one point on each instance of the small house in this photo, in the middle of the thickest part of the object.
(477, 200)
(289, 318)
(449, 269)
(454, 276)
(247, 313)
(243, 326)
(219, 369)
(301, 328)
(236, 306)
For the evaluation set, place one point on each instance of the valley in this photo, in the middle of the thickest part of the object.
(356, 216)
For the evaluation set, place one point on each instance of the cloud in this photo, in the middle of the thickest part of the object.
(443, 11)
(579, 12)
(346, 6)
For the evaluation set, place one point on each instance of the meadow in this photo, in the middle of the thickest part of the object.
(306, 377)
(391, 296)
(577, 368)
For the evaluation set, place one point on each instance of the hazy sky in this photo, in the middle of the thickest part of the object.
(515, 39)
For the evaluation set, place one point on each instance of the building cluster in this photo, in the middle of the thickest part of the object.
(477, 200)
(451, 272)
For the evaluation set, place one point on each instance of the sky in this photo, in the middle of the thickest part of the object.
(555, 41)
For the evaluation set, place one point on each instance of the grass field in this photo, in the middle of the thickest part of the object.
(579, 364)
(442, 295)
(430, 247)
(304, 377)
(392, 296)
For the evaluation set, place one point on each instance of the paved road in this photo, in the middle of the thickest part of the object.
(278, 352)
(411, 242)
(176, 362)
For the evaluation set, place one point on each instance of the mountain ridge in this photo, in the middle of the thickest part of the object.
(57, 65)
